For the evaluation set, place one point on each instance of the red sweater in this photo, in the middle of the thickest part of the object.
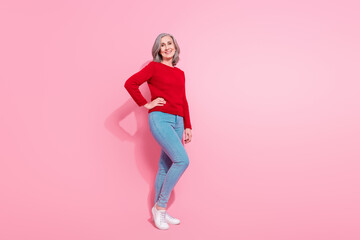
(163, 81)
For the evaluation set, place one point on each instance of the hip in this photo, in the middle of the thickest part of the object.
(159, 117)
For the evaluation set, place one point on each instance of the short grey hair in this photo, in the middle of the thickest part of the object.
(156, 49)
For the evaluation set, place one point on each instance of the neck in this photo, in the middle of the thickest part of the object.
(167, 62)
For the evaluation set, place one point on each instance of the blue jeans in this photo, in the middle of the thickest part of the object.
(168, 129)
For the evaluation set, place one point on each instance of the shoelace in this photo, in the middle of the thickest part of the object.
(162, 216)
(170, 216)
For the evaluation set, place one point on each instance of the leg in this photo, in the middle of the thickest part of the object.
(163, 127)
(164, 165)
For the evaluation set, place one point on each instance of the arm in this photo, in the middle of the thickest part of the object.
(187, 122)
(133, 83)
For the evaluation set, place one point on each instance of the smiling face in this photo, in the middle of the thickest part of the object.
(167, 48)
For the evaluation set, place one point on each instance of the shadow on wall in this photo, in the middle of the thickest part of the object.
(147, 150)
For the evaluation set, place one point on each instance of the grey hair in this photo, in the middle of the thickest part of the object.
(156, 49)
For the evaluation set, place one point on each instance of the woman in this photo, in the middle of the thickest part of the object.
(168, 118)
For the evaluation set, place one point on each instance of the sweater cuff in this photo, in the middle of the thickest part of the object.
(187, 125)
(142, 103)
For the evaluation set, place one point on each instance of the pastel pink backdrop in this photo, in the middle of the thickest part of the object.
(273, 90)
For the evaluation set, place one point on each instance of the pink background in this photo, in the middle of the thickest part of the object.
(273, 90)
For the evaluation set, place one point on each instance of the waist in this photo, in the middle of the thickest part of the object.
(167, 110)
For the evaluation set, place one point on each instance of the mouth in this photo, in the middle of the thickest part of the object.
(168, 52)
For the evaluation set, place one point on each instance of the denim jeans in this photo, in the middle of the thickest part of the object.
(168, 129)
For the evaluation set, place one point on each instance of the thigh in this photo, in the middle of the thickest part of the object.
(162, 128)
(179, 127)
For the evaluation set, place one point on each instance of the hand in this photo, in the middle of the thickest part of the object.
(156, 102)
(188, 135)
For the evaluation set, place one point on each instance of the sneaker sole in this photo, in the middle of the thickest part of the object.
(173, 223)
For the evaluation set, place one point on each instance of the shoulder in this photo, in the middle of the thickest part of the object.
(151, 63)
(178, 68)
(149, 66)
(181, 71)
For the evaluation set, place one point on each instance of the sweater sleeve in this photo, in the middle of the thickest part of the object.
(187, 122)
(133, 83)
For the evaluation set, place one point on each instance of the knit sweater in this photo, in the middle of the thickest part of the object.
(163, 81)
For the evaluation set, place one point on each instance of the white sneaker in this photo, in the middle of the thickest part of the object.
(171, 219)
(159, 218)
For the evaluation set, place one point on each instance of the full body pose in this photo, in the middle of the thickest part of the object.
(169, 117)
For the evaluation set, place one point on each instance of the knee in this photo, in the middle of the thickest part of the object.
(182, 161)
(185, 162)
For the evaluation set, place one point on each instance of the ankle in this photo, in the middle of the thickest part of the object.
(159, 208)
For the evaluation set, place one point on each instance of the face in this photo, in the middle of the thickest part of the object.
(167, 47)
